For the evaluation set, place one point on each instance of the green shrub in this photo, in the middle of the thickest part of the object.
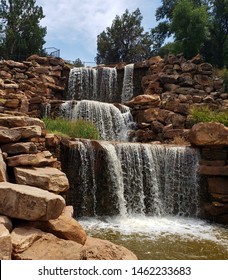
(205, 114)
(74, 128)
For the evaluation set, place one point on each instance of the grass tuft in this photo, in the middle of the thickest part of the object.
(74, 128)
(205, 114)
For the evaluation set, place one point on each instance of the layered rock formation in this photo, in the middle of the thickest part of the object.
(34, 220)
(212, 141)
(170, 89)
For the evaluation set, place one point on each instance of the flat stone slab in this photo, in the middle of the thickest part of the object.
(47, 178)
(29, 203)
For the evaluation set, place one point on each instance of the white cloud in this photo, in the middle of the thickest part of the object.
(78, 22)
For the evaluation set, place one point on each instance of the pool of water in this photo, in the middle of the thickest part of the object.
(162, 238)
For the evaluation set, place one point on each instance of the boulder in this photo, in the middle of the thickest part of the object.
(142, 100)
(5, 243)
(12, 121)
(98, 249)
(46, 178)
(218, 185)
(3, 169)
(19, 148)
(209, 134)
(39, 159)
(29, 203)
(4, 220)
(8, 135)
(63, 227)
(33, 244)
(28, 132)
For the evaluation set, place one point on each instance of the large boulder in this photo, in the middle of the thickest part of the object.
(47, 178)
(98, 249)
(19, 148)
(63, 227)
(209, 134)
(5, 243)
(3, 169)
(29, 203)
(8, 135)
(33, 244)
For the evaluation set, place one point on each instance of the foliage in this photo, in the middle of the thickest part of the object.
(199, 25)
(205, 114)
(78, 63)
(124, 41)
(74, 128)
(20, 32)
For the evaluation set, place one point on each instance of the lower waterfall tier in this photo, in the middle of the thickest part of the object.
(110, 178)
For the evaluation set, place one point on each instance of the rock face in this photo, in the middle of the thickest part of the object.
(47, 178)
(5, 243)
(205, 134)
(29, 203)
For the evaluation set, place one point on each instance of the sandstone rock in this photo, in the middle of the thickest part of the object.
(52, 140)
(216, 208)
(29, 203)
(19, 148)
(5, 243)
(28, 132)
(8, 135)
(3, 169)
(142, 100)
(168, 79)
(97, 249)
(205, 134)
(172, 133)
(24, 237)
(46, 178)
(63, 227)
(4, 220)
(188, 67)
(12, 103)
(49, 247)
(12, 121)
(39, 159)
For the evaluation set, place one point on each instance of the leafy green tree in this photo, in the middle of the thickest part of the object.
(78, 63)
(124, 41)
(190, 26)
(20, 32)
(204, 23)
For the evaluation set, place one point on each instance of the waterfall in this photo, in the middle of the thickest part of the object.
(127, 91)
(143, 179)
(92, 84)
(112, 123)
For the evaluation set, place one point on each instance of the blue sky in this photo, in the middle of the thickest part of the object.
(73, 25)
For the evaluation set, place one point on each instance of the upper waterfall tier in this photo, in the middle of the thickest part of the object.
(101, 84)
(113, 123)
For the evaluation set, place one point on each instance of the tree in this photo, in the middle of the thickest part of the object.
(20, 32)
(124, 41)
(189, 25)
(78, 63)
(196, 25)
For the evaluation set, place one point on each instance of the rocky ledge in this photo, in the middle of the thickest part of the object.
(35, 223)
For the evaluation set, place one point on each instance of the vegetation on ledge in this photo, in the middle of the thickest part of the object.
(205, 114)
(72, 128)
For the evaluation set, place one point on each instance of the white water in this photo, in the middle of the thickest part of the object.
(127, 91)
(146, 179)
(111, 122)
(92, 84)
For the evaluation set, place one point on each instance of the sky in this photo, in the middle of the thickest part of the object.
(73, 25)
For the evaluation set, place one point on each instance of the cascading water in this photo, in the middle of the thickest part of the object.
(92, 84)
(144, 197)
(144, 179)
(127, 91)
(112, 123)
